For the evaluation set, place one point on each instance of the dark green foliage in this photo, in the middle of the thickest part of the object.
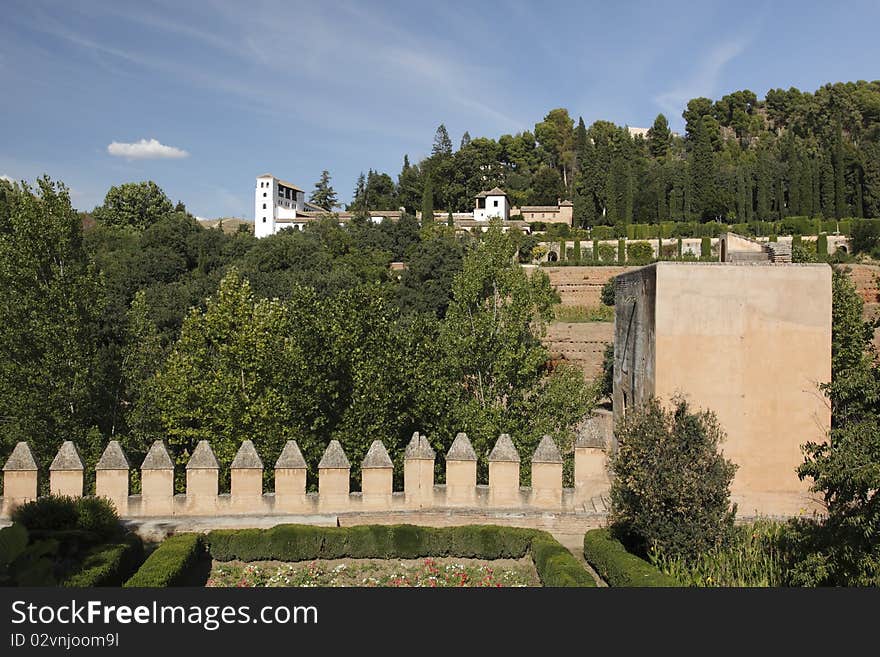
(91, 516)
(617, 566)
(108, 564)
(98, 515)
(639, 253)
(170, 563)
(606, 385)
(607, 293)
(621, 252)
(706, 248)
(51, 512)
(671, 485)
(844, 550)
(556, 566)
(13, 543)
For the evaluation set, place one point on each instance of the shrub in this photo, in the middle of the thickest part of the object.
(706, 248)
(577, 250)
(53, 512)
(98, 515)
(607, 254)
(108, 564)
(822, 246)
(170, 563)
(557, 566)
(93, 517)
(639, 253)
(621, 252)
(602, 232)
(607, 293)
(671, 486)
(617, 566)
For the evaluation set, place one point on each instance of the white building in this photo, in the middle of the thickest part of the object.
(492, 204)
(279, 204)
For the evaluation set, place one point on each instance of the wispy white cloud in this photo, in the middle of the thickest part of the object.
(146, 149)
(704, 80)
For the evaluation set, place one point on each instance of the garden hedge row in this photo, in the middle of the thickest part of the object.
(617, 566)
(556, 566)
(170, 563)
(108, 565)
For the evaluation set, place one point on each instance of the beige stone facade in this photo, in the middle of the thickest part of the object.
(751, 342)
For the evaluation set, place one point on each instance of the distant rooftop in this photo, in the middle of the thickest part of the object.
(281, 182)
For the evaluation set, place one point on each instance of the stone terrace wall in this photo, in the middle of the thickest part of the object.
(581, 343)
(581, 286)
(247, 497)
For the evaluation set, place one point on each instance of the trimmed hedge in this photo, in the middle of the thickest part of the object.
(556, 566)
(170, 562)
(617, 566)
(108, 565)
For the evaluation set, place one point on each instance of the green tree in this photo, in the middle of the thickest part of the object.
(671, 485)
(51, 300)
(442, 143)
(702, 173)
(323, 195)
(659, 137)
(844, 549)
(133, 204)
(428, 202)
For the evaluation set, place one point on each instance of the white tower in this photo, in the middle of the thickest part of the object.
(492, 204)
(276, 204)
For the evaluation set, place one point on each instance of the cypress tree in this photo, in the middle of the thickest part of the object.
(562, 249)
(702, 165)
(827, 186)
(763, 184)
(629, 195)
(659, 137)
(428, 201)
(621, 251)
(662, 204)
(839, 180)
(595, 250)
(706, 248)
(795, 206)
(816, 188)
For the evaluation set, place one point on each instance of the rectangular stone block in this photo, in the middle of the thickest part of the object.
(66, 482)
(157, 492)
(113, 484)
(461, 483)
(547, 485)
(504, 484)
(290, 489)
(333, 489)
(590, 473)
(246, 490)
(376, 488)
(19, 487)
(418, 482)
(201, 491)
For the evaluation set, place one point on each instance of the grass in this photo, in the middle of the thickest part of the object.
(578, 314)
(752, 558)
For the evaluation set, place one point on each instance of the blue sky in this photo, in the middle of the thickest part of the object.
(202, 97)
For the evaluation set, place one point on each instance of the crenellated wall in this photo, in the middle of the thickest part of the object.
(246, 496)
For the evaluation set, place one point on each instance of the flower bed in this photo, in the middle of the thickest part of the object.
(432, 573)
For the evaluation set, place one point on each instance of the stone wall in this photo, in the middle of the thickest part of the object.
(247, 497)
(580, 343)
(581, 286)
(750, 342)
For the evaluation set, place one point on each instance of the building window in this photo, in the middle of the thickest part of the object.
(264, 194)
(495, 203)
(264, 206)
(264, 219)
